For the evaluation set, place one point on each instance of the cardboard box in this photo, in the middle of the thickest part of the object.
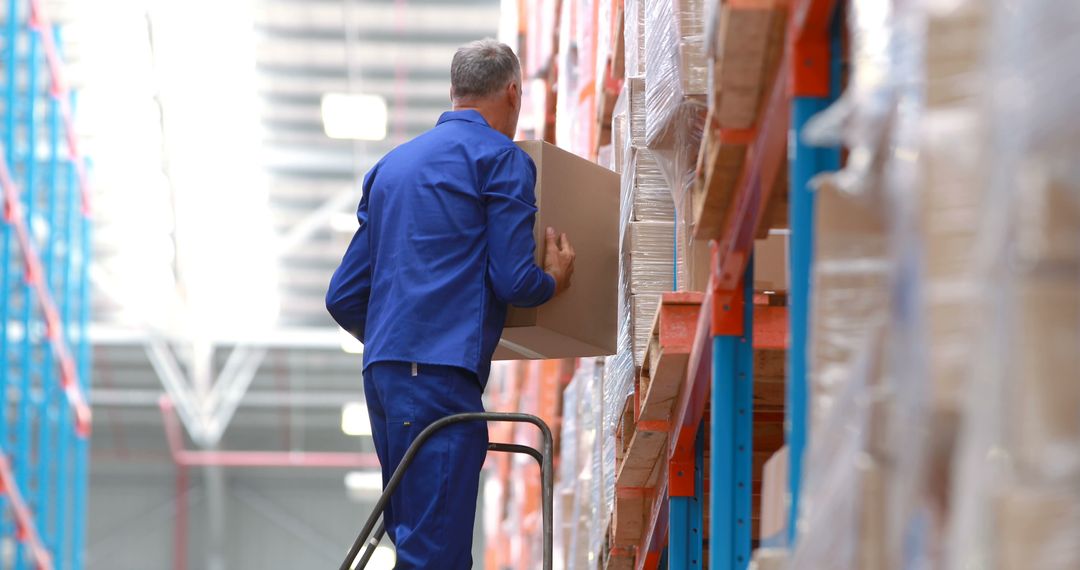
(650, 247)
(1043, 401)
(769, 559)
(771, 262)
(694, 257)
(643, 312)
(774, 499)
(581, 199)
(1037, 528)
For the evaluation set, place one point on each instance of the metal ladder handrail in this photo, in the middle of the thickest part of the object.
(543, 457)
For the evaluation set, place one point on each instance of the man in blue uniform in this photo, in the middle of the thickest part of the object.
(445, 244)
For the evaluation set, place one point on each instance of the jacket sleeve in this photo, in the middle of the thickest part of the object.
(510, 202)
(350, 287)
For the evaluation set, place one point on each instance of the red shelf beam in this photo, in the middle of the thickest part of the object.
(300, 459)
(54, 326)
(764, 159)
(13, 214)
(25, 527)
(42, 24)
(808, 36)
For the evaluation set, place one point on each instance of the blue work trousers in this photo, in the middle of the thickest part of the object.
(431, 514)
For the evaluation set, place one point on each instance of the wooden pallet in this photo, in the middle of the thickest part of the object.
(749, 48)
(618, 558)
(666, 355)
(644, 434)
(628, 516)
(642, 437)
(749, 45)
(644, 443)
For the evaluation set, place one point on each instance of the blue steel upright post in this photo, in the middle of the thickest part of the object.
(731, 418)
(687, 515)
(52, 401)
(816, 81)
(28, 317)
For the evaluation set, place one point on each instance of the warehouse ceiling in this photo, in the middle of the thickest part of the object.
(399, 50)
(304, 186)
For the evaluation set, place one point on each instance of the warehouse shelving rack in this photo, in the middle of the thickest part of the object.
(44, 306)
(721, 360)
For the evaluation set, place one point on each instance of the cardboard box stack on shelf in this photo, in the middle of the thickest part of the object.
(946, 313)
(675, 81)
(579, 479)
(652, 262)
(952, 199)
(855, 471)
(1025, 352)
(659, 120)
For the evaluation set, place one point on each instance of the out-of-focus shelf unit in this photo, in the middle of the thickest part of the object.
(44, 303)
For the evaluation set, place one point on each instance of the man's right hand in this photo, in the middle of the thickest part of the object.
(559, 260)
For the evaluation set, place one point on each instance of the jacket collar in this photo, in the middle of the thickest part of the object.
(469, 115)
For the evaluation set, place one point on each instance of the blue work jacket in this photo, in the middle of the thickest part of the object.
(445, 244)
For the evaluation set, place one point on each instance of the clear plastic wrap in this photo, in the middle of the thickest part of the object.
(679, 167)
(644, 310)
(675, 68)
(576, 486)
(674, 115)
(842, 498)
(651, 251)
(605, 156)
(692, 257)
(860, 506)
(569, 82)
(636, 94)
(1019, 444)
(663, 86)
(601, 469)
(619, 375)
(620, 129)
(651, 195)
(603, 41)
(634, 37)
(945, 406)
(565, 478)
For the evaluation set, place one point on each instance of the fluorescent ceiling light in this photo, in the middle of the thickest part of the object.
(342, 222)
(384, 558)
(363, 481)
(354, 116)
(355, 420)
(349, 343)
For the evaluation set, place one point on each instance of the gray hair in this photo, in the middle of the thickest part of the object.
(483, 67)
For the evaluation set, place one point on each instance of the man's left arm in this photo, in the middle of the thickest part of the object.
(350, 287)
(510, 203)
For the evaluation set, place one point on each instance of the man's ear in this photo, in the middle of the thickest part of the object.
(513, 91)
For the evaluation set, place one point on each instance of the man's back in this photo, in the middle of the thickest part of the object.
(448, 218)
(445, 243)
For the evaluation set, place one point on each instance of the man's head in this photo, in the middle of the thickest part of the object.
(486, 76)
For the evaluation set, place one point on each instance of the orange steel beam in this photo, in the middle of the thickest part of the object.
(811, 75)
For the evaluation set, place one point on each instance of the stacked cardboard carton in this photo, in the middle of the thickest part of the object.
(1032, 289)
(577, 492)
(675, 66)
(946, 314)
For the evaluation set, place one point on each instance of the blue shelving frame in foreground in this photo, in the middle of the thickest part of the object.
(44, 303)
